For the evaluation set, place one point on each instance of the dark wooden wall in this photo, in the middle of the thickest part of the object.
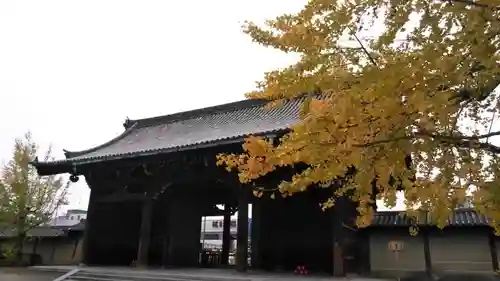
(286, 233)
(295, 231)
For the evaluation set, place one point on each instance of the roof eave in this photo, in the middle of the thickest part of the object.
(73, 154)
(52, 168)
(69, 165)
(172, 150)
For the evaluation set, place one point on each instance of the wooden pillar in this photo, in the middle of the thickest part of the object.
(75, 247)
(364, 252)
(35, 245)
(226, 235)
(53, 252)
(493, 250)
(427, 251)
(242, 235)
(166, 258)
(256, 234)
(33, 259)
(338, 238)
(185, 229)
(145, 233)
(90, 223)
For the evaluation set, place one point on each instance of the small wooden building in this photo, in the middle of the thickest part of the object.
(467, 244)
(46, 245)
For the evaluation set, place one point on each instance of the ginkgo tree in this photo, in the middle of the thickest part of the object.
(27, 200)
(421, 86)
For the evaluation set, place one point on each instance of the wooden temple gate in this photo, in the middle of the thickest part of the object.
(165, 201)
(151, 186)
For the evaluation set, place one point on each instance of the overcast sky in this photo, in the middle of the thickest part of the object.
(72, 71)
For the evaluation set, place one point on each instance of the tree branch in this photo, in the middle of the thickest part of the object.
(491, 125)
(474, 3)
(462, 141)
(372, 60)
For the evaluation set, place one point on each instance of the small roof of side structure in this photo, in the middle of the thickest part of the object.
(35, 232)
(211, 126)
(458, 218)
(45, 231)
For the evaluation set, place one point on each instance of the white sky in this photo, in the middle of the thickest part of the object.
(72, 71)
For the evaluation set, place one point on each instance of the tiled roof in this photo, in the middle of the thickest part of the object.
(35, 232)
(76, 227)
(46, 231)
(76, 211)
(203, 127)
(459, 218)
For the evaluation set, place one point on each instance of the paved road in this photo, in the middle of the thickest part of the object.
(23, 274)
(195, 274)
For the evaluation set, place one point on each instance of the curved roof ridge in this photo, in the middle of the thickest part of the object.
(71, 154)
(183, 115)
(220, 108)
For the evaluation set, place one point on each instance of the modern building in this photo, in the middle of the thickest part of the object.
(72, 217)
(212, 232)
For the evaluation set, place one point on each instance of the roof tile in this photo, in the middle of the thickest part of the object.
(190, 129)
(35, 232)
(467, 217)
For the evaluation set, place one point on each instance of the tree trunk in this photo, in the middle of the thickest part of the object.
(20, 237)
(19, 247)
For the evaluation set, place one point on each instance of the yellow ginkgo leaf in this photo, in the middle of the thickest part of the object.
(405, 113)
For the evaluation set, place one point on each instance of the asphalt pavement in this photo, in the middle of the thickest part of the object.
(24, 274)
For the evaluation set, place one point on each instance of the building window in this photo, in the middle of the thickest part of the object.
(211, 236)
(220, 224)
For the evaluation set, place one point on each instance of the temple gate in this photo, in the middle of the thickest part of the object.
(151, 185)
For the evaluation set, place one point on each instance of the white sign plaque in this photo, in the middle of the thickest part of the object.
(395, 246)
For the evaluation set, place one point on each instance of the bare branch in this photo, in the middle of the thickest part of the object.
(475, 4)
(491, 125)
(459, 141)
(365, 50)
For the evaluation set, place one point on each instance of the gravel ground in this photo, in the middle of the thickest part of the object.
(23, 274)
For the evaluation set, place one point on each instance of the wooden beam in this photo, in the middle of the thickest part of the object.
(122, 196)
